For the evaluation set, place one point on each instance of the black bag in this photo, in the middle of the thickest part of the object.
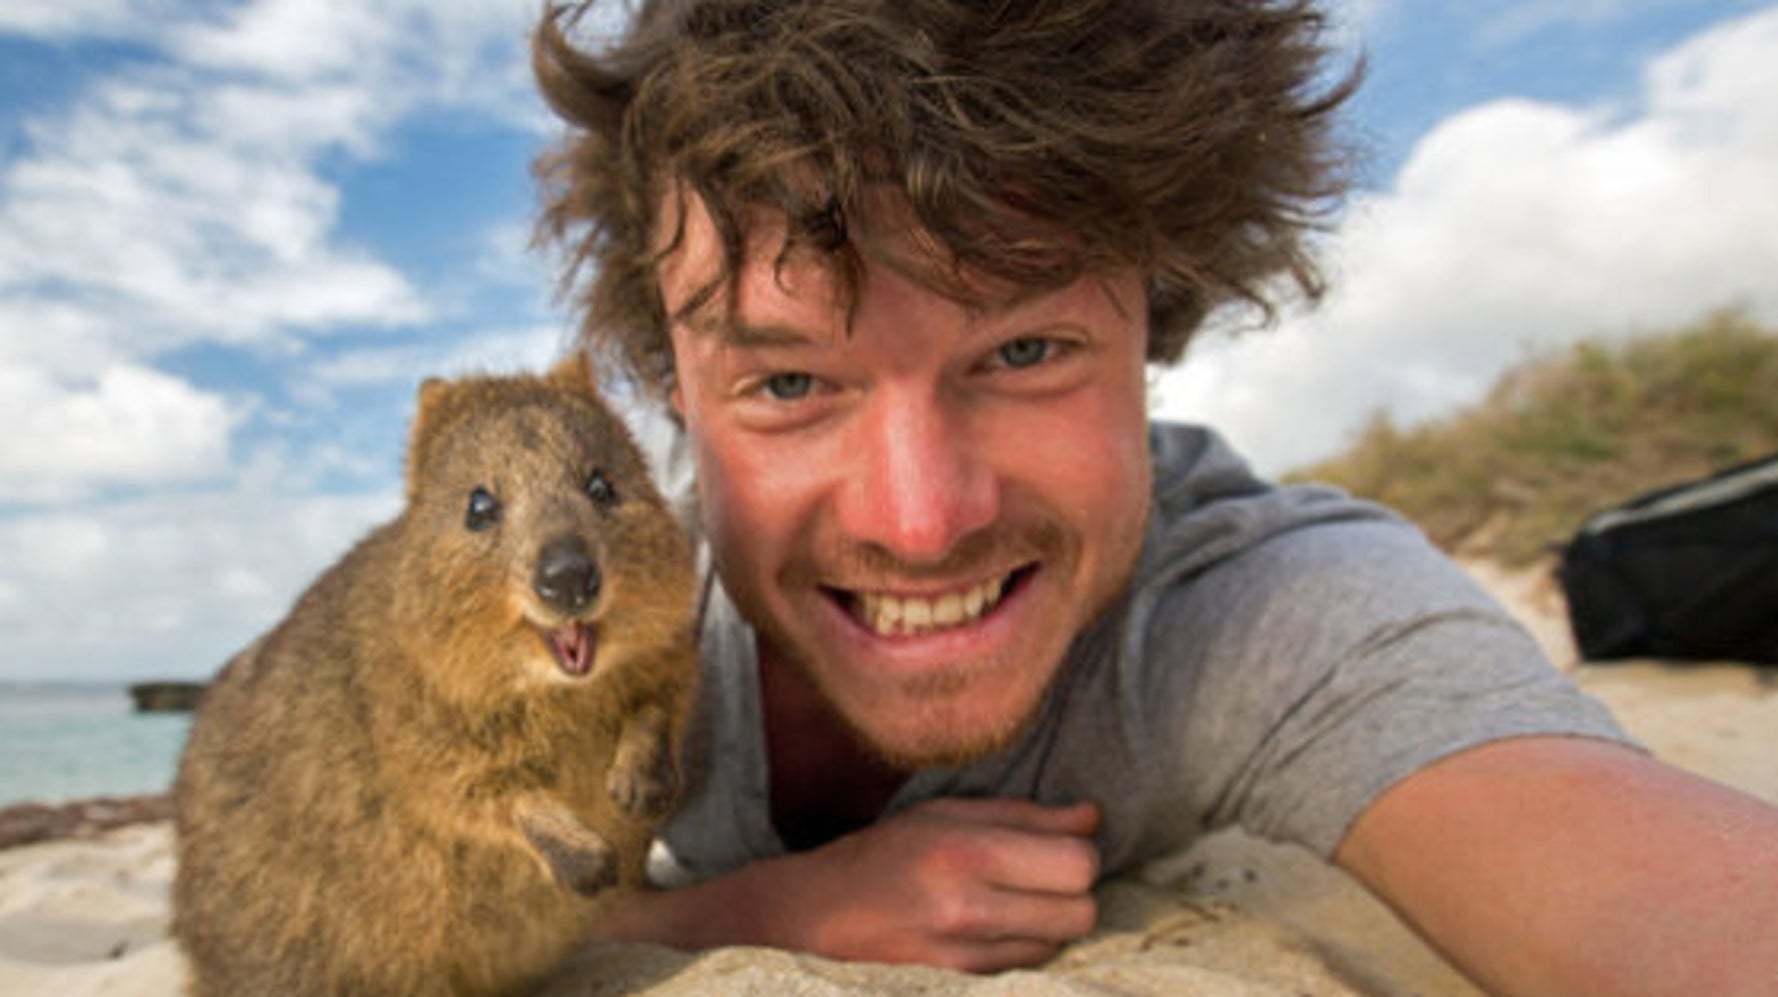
(1688, 572)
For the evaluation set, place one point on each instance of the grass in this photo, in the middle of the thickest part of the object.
(1562, 436)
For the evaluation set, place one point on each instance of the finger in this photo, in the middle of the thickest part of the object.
(1018, 929)
(995, 956)
(1049, 918)
(1075, 818)
(1023, 861)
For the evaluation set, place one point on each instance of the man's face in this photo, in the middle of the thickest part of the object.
(921, 511)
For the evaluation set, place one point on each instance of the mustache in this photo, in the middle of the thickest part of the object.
(856, 565)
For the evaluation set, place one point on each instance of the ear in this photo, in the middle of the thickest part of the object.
(427, 409)
(574, 372)
(430, 402)
(432, 390)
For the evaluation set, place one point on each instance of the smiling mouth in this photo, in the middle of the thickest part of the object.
(573, 645)
(888, 615)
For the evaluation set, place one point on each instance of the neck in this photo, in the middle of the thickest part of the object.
(824, 782)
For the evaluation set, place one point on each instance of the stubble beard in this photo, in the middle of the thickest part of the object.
(940, 738)
(944, 733)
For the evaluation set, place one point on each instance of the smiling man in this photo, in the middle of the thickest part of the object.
(875, 501)
(977, 633)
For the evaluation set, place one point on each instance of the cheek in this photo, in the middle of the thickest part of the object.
(749, 509)
(1094, 467)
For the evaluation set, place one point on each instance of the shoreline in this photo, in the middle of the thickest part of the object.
(35, 822)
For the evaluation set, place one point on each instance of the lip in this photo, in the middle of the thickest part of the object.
(914, 653)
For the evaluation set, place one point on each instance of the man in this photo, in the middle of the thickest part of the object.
(982, 634)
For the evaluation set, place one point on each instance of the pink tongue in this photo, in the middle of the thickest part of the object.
(574, 648)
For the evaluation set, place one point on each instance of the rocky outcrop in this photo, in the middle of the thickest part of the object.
(166, 697)
(28, 823)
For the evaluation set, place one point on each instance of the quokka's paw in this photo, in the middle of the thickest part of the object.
(644, 781)
(578, 858)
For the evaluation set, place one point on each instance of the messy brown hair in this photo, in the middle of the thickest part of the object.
(1033, 141)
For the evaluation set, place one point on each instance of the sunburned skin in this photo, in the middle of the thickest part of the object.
(917, 503)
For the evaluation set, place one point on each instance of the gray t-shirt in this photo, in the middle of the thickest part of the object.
(1281, 656)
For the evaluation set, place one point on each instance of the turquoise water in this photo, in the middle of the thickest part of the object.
(61, 741)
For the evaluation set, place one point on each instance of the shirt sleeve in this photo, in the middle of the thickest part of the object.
(1294, 682)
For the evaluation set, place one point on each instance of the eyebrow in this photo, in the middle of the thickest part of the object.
(746, 335)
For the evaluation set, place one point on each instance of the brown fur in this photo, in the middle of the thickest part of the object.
(399, 790)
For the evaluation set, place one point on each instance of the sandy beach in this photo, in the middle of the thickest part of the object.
(1230, 918)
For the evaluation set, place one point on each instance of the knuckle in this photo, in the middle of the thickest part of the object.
(951, 857)
(956, 912)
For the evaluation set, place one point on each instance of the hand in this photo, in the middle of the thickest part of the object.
(974, 884)
(971, 884)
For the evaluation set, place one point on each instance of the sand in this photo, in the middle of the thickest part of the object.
(1232, 917)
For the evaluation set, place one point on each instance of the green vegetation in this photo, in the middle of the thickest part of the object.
(1562, 436)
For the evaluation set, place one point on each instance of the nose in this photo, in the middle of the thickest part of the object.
(567, 577)
(919, 481)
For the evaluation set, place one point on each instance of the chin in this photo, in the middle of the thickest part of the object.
(927, 734)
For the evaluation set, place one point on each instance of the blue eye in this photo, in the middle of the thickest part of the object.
(483, 511)
(789, 387)
(1028, 351)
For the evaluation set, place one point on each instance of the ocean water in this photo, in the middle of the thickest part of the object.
(64, 741)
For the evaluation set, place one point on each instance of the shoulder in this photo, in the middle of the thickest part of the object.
(1287, 651)
(1220, 534)
(1262, 594)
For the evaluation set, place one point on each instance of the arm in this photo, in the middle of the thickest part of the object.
(1567, 866)
(968, 884)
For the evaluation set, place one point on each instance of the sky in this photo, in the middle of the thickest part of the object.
(236, 234)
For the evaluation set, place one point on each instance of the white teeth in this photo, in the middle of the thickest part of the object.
(916, 614)
(891, 616)
(947, 612)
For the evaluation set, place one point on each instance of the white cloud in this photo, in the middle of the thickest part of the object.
(185, 198)
(487, 351)
(1517, 227)
(166, 586)
(403, 53)
(1509, 21)
(189, 195)
(132, 426)
(297, 40)
(82, 18)
(143, 209)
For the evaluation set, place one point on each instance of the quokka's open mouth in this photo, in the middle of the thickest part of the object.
(573, 645)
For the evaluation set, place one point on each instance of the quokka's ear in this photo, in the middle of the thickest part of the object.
(432, 392)
(574, 372)
(428, 407)
(431, 403)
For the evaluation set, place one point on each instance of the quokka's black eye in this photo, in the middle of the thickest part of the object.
(600, 490)
(483, 511)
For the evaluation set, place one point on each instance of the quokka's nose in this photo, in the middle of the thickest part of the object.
(567, 576)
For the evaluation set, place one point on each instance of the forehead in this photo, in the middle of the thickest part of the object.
(692, 267)
(886, 247)
(528, 434)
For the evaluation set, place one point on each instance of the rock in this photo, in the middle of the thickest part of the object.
(29, 823)
(166, 697)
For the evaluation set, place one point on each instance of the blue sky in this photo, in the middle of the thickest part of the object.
(235, 234)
